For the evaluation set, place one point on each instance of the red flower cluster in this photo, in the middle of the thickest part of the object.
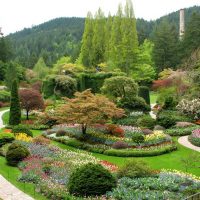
(109, 166)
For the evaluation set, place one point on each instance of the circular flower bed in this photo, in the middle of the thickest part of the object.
(113, 138)
(194, 138)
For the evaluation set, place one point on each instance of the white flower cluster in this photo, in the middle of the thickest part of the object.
(190, 107)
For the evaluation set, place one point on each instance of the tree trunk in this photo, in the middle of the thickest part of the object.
(84, 127)
(27, 117)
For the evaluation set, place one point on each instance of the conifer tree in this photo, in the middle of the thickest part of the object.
(41, 69)
(87, 42)
(98, 42)
(10, 75)
(15, 110)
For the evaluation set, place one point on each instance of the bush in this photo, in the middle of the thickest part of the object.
(146, 121)
(115, 130)
(180, 131)
(134, 169)
(120, 145)
(144, 93)
(4, 96)
(6, 138)
(41, 140)
(127, 121)
(22, 129)
(134, 104)
(16, 153)
(168, 118)
(90, 180)
(138, 138)
(170, 103)
(60, 133)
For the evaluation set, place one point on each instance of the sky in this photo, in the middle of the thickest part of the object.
(18, 14)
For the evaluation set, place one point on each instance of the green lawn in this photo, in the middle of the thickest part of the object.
(167, 161)
(5, 117)
(153, 97)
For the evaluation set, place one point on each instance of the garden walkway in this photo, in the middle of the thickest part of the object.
(7, 190)
(184, 141)
(10, 192)
(151, 112)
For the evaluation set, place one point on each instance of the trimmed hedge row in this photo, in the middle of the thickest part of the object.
(114, 152)
(140, 153)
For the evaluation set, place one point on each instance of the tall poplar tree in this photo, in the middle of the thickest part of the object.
(129, 39)
(98, 42)
(86, 54)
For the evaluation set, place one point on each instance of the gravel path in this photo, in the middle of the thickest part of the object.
(7, 190)
(152, 113)
(184, 141)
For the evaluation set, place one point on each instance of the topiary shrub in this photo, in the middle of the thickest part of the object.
(120, 145)
(146, 121)
(16, 153)
(91, 180)
(138, 138)
(134, 169)
(60, 133)
(170, 103)
(22, 129)
(144, 93)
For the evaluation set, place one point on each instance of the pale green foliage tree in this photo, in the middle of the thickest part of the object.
(58, 66)
(41, 69)
(120, 87)
(144, 71)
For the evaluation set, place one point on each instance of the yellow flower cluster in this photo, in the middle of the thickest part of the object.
(156, 135)
(23, 137)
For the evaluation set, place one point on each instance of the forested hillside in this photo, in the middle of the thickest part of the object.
(62, 36)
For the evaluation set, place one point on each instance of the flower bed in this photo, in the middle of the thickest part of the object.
(167, 185)
(49, 168)
(194, 138)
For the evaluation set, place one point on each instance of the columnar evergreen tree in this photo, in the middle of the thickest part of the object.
(115, 58)
(87, 40)
(10, 75)
(165, 46)
(129, 39)
(15, 110)
(98, 42)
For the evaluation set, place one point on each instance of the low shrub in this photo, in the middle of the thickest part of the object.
(115, 130)
(127, 121)
(22, 129)
(16, 153)
(180, 131)
(134, 169)
(41, 140)
(146, 121)
(4, 149)
(168, 118)
(194, 138)
(91, 180)
(141, 152)
(120, 145)
(4, 96)
(170, 103)
(6, 138)
(60, 133)
(138, 138)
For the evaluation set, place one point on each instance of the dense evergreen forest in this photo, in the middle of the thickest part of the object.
(62, 37)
